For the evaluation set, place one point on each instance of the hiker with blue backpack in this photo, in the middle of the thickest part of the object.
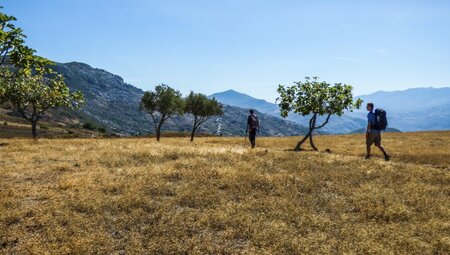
(376, 122)
(252, 127)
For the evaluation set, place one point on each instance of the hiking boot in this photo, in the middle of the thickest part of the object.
(387, 157)
(367, 157)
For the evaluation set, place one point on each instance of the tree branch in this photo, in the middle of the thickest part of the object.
(43, 110)
(323, 124)
(203, 119)
(154, 121)
(22, 112)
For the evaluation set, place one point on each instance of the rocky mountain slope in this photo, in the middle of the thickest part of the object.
(113, 104)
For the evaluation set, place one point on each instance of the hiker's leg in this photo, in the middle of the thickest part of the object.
(253, 137)
(378, 144)
(382, 149)
(369, 142)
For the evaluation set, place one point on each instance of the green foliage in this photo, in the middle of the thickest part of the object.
(44, 126)
(22, 77)
(33, 95)
(164, 100)
(14, 55)
(200, 105)
(162, 104)
(202, 108)
(92, 126)
(316, 98)
(89, 126)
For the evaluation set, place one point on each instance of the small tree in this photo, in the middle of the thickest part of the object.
(33, 95)
(162, 104)
(316, 98)
(202, 108)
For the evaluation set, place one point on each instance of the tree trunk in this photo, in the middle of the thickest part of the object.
(158, 129)
(309, 135)
(158, 135)
(33, 129)
(192, 134)
(194, 128)
(311, 141)
(299, 144)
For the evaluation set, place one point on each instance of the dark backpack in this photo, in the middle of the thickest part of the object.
(253, 121)
(380, 120)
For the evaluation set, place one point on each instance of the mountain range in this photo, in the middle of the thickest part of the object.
(417, 109)
(113, 104)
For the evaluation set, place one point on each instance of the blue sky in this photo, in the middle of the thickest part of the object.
(247, 45)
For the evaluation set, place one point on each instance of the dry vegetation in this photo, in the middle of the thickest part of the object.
(215, 196)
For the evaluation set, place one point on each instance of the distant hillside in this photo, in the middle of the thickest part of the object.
(232, 97)
(55, 124)
(414, 109)
(336, 124)
(114, 104)
(416, 99)
(418, 109)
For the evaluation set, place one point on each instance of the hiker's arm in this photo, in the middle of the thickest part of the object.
(369, 127)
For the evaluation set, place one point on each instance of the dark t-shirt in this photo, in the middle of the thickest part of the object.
(251, 122)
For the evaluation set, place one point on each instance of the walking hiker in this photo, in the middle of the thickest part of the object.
(252, 127)
(376, 122)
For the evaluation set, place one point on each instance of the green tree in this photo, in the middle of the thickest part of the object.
(316, 98)
(162, 104)
(26, 80)
(33, 95)
(202, 108)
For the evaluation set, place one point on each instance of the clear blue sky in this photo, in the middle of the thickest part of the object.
(247, 45)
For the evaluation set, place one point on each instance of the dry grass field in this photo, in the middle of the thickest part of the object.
(216, 196)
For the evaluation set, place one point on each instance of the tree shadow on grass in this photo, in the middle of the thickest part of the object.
(312, 150)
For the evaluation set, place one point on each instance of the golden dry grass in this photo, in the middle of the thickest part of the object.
(216, 196)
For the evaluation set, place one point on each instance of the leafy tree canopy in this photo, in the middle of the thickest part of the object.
(200, 105)
(316, 98)
(162, 103)
(33, 95)
(202, 108)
